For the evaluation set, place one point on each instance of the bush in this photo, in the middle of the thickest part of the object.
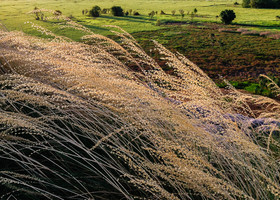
(117, 11)
(136, 13)
(246, 4)
(95, 11)
(227, 16)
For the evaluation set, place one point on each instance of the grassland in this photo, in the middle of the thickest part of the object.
(77, 121)
(13, 14)
(111, 119)
(240, 61)
(232, 55)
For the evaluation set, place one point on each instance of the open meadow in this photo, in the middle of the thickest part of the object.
(142, 108)
(14, 13)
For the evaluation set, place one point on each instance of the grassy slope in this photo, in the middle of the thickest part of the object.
(234, 56)
(76, 127)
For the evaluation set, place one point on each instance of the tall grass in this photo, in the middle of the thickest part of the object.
(102, 120)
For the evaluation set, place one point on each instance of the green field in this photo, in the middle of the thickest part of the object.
(14, 14)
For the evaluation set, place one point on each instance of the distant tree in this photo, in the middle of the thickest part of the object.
(246, 3)
(182, 13)
(83, 12)
(173, 12)
(195, 11)
(261, 3)
(162, 12)
(126, 13)
(152, 14)
(277, 3)
(95, 11)
(236, 3)
(192, 16)
(86, 11)
(136, 13)
(227, 16)
(130, 11)
(117, 11)
(277, 17)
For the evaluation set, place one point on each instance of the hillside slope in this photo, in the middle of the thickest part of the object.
(102, 120)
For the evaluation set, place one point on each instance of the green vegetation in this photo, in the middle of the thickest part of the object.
(117, 11)
(261, 3)
(130, 116)
(227, 16)
(263, 22)
(13, 14)
(95, 11)
(218, 52)
(101, 119)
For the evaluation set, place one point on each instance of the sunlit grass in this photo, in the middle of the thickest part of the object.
(102, 120)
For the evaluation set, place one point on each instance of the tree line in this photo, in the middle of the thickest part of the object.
(261, 3)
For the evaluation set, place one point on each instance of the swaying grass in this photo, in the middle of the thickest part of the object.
(102, 120)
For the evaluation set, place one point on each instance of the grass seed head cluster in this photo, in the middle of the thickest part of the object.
(101, 119)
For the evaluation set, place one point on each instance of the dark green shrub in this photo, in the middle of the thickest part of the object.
(95, 11)
(227, 16)
(246, 4)
(136, 13)
(117, 11)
